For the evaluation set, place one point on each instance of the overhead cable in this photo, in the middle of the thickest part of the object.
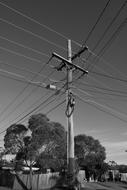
(102, 108)
(109, 26)
(37, 22)
(23, 90)
(24, 46)
(20, 54)
(110, 41)
(97, 21)
(33, 34)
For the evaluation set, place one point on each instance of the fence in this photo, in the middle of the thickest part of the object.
(39, 181)
(124, 177)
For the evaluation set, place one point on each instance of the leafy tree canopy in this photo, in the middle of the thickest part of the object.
(49, 139)
(89, 152)
(13, 139)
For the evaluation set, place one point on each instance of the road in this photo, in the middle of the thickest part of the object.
(96, 186)
(104, 186)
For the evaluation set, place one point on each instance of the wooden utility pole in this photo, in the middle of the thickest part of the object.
(70, 134)
(67, 63)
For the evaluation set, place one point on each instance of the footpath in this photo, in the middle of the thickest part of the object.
(104, 186)
(94, 186)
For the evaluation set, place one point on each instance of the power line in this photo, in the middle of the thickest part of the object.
(24, 46)
(20, 103)
(40, 109)
(37, 107)
(29, 107)
(23, 90)
(110, 41)
(37, 100)
(114, 36)
(101, 92)
(37, 22)
(29, 71)
(103, 74)
(101, 88)
(54, 95)
(122, 99)
(109, 76)
(52, 109)
(109, 26)
(97, 21)
(31, 111)
(33, 34)
(101, 107)
(20, 54)
(40, 84)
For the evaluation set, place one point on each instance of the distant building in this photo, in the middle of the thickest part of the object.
(8, 157)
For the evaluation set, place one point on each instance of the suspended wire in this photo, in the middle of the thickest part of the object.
(40, 84)
(24, 46)
(20, 103)
(99, 81)
(31, 111)
(103, 74)
(29, 71)
(33, 105)
(58, 92)
(96, 97)
(81, 90)
(85, 92)
(23, 90)
(101, 107)
(114, 36)
(101, 88)
(20, 54)
(97, 21)
(47, 93)
(110, 99)
(37, 107)
(37, 22)
(100, 92)
(40, 109)
(52, 109)
(108, 27)
(110, 41)
(92, 95)
(109, 76)
(33, 34)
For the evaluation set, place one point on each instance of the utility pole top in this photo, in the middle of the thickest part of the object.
(68, 63)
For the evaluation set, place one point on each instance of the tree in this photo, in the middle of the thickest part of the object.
(122, 168)
(90, 154)
(49, 139)
(13, 139)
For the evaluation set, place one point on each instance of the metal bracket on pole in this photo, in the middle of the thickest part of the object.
(69, 63)
(84, 48)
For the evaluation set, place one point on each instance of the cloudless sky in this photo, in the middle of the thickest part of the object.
(104, 115)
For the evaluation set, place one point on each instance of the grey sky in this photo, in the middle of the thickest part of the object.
(74, 20)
